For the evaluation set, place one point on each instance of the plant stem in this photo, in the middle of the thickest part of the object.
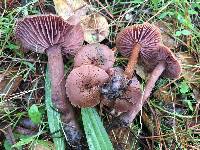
(132, 61)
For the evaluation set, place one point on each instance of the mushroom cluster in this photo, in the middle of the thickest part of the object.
(143, 42)
(91, 65)
(93, 79)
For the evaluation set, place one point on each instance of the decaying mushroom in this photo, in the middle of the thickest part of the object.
(139, 39)
(160, 62)
(96, 28)
(83, 85)
(50, 34)
(127, 92)
(95, 54)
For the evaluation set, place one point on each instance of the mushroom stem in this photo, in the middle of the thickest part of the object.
(132, 61)
(156, 73)
(59, 97)
(56, 72)
(128, 117)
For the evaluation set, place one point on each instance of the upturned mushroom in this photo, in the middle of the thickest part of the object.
(95, 54)
(139, 39)
(52, 35)
(161, 62)
(83, 85)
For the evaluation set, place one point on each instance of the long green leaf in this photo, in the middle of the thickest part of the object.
(96, 134)
(53, 117)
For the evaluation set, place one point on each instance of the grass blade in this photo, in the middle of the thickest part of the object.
(96, 134)
(54, 119)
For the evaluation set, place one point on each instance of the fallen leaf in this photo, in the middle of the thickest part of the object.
(78, 16)
(140, 71)
(163, 94)
(8, 82)
(190, 70)
(196, 93)
(94, 25)
(68, 8)
(167, 39)
(8, 133)
(121, 138)
(44, 145)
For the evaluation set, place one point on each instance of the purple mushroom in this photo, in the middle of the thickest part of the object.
(137, 40)
(52, 35)
(161, 62)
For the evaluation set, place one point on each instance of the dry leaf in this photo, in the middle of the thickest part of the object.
(140, 71)
(95, 27)
(190, 72)
(168, 40)
(163, 94)
(78, 15)
(196, 93)
(8, 83)
(9, 134)
(47, 145)
(67, 8)
(121, 138)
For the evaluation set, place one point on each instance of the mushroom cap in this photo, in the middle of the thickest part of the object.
(147, 35)
(82, 85)
(162, 54)
(128, 96)
(38, 33)
(95, 54)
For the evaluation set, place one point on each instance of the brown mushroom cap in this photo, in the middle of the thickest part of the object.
(163, 54)
(38, 33)
(130, 96)
(147, 35)
(82, 85)
(95, 54)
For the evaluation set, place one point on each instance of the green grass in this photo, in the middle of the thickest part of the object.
(172, 122)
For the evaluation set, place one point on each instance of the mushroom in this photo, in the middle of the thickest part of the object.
(139, 39)
(50, 34)
(161, 62)
(83, 85)
(95, 54)
(128, 92)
